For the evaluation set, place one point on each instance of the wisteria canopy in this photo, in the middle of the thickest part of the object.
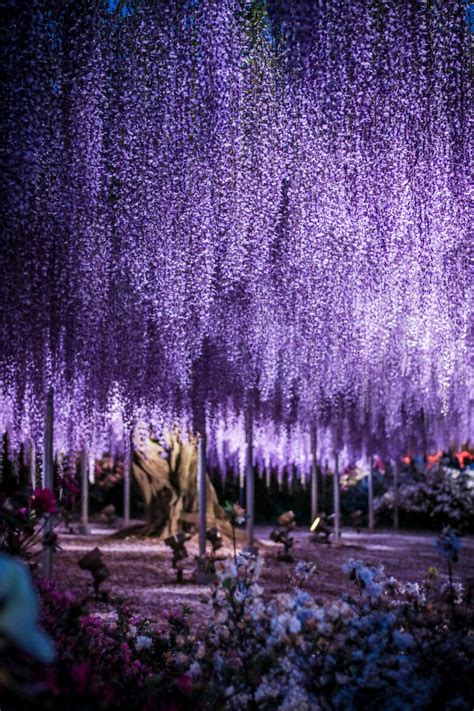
(237, 208)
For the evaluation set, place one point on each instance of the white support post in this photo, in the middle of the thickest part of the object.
(32, 465)
(371, 494)
(84, 466)
(337, 506)
(242, 488)
(250, 488)
(396, 522)
(202, 492)
(314, 475)
(127, 464)
(48, 476)
(324, 481)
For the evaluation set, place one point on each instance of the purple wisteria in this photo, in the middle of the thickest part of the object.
(215, 208)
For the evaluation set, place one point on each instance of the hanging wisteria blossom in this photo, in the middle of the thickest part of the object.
(211, 208)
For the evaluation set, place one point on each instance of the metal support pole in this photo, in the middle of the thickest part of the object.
(16, 470)
(250, 487)
(314, 475)
(242, 489)
(371, 494)
(202, 492)
(395, 486)
(324, 483)
(337, 507)
(126, 486)
(84, 465)
(32, 465)
(48, 476)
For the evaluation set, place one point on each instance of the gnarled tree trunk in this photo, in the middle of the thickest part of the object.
(167, 479)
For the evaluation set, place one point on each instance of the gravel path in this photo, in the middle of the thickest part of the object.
(141, 572)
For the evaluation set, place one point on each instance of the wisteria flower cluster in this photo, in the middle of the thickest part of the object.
(268, 199)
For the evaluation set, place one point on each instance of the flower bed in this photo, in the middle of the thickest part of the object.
(394, 645)
(389, 645)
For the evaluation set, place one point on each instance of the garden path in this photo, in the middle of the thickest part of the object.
(141, 570)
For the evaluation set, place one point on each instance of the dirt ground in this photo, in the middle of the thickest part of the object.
(141, 572)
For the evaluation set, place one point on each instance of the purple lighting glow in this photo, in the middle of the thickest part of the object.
(215, 207)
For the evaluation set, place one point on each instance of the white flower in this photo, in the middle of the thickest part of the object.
(143, 642)
(195, 670)
(294, 625)
(297, 698)
(239, 596)
(458, 590)
(256, 610)
(19, 611)
(304, 569)
(320, 614)
(286, 623)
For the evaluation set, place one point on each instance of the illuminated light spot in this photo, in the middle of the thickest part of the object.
(315, 523)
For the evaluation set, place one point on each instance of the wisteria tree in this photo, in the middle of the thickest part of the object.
(242, 209)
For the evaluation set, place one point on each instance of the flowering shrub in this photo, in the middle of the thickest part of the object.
(108, 472)
(106, 491)
(118, 661)
(390, 645)
(235, 514)
(23, 521)
(444, 496)
(70, 493)
(393, 646)
(43, 501)
(113, 660)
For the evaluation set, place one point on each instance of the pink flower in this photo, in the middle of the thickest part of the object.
(43, 501)
(127, 652)
(80, 675)
(378, 464)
